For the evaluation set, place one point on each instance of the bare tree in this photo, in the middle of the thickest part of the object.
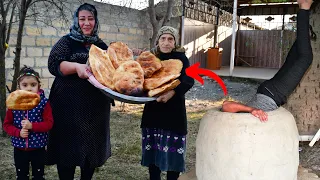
(5, 28)
(45, 11)
(156, 21)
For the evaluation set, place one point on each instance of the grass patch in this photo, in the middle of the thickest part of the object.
(194, 116)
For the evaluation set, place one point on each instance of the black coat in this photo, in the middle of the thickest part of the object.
(81, 113)
(172, 114)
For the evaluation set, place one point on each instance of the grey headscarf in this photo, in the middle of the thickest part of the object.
(75, 30)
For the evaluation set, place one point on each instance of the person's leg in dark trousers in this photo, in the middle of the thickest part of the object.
(87, 172)
(37, 164)
(66, 173)
(298, 60)
(292, 55)
(21, 161)
(173, 175)
(154, 172)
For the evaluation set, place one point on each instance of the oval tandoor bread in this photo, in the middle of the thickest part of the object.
(22, 100)
(164, 88)
(122, 51)
(101, 66)
(128, 78)
(149, 63)
(170, 70)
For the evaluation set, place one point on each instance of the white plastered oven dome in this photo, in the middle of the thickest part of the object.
(237, 146)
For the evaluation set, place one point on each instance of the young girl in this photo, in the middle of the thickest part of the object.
(28, 129)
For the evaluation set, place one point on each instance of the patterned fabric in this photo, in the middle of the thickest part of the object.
(163, 148)
(75, 30)
(81, 112)
(35, 139)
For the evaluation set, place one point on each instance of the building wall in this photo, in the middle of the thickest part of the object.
(304, 103)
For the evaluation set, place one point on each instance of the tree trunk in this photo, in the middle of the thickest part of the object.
(156, 25)
(155, 30)
(2, 66)
(16, 65)
(2, 87)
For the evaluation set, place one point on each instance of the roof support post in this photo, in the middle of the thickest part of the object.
(233, 42)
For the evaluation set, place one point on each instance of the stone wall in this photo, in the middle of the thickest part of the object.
(304, 103)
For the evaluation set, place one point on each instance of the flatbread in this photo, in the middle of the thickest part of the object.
(22, 100)
(123, 52)
(101, 66)
(164, 88)
(153, 83)
(169, 67)
(128, 79)
(170, 70)
(113, 57)
(149, 63)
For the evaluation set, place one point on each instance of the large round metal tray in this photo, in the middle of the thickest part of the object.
(117, 96)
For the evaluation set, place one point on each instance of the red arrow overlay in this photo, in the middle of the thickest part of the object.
(194, 71)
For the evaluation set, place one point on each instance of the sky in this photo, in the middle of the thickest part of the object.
(135, 4)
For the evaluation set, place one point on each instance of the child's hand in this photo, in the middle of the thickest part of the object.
(26, 124)
(24, 133)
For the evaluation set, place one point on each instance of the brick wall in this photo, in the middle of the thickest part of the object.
(304, 103)
(116, 24)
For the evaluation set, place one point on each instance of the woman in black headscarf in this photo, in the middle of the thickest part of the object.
(81, 132)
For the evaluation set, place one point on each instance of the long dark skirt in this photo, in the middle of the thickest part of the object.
(163, 148)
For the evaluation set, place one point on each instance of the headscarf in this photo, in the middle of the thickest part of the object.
(75, 30)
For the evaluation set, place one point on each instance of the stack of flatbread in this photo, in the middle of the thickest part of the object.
(160, 76)
(117, 70)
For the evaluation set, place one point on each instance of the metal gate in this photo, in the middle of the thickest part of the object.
(263, 48)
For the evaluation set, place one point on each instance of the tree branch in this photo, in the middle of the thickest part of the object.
(33, 2)
(2, 10)
(152, 12)
(10, 22)
(8, 5)
(28, 4)
(168, 15)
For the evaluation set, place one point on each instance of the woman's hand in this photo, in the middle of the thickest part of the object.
(166, 96)
(137, 52)
(260, 114)
(81, 70)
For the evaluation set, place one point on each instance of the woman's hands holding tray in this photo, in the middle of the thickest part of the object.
(117, 96)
